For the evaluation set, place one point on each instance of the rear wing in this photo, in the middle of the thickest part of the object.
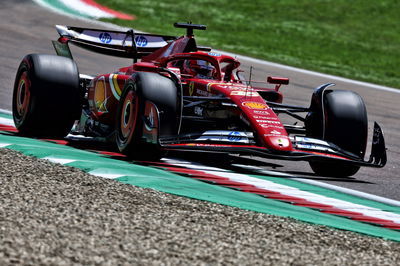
(108, 42)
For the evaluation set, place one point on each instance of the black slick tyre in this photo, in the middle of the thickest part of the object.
(342, 121)
(46, 97)
(141, 88)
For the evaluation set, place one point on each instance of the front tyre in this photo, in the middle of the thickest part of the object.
(46, 97)
(342, 120)
(148, 108)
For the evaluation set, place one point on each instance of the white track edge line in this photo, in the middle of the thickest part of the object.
(312, 182)
(287, 190)
(5, 111)
(6, 121)
(329, 186)
(351, 192)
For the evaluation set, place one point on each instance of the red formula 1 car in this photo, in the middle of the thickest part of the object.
(182, 96)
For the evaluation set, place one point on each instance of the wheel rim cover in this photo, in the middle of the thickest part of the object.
(23, 97)
(128, 115)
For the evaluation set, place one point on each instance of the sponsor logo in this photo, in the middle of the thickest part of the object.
(311, 141)
(191, 88)
(314, 147)
(275, 132)
(214, 54)
(202, 145)
(261, 117)
(271, 126)
(231, 86)
(261, 112)
(244, 93)
(203, 93)
(234, 136)
(376, 136)
(105, 37)
(255, 105)
(141, 41)
(269, 123)
(283, 142)
(307, 146)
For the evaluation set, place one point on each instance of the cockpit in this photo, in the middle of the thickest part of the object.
(203, 66)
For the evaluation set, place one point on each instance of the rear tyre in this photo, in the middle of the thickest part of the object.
(343, 121)
(142, 88)
(46, 97)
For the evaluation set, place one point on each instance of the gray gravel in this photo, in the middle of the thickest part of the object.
(52, 214)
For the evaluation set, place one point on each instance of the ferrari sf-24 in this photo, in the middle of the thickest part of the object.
(181, 96)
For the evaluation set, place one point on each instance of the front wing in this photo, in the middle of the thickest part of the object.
(305, 149)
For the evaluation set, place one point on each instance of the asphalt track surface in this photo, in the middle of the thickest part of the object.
(27, 28)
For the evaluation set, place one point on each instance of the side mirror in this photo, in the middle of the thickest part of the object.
(278, 81)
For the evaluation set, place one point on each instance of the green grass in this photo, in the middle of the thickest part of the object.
(358, 39)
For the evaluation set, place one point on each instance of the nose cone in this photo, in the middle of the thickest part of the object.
(280, 143)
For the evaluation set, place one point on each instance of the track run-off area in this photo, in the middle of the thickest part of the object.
(366, 203)
(254, 190)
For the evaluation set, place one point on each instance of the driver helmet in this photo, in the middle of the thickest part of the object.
(199, 69)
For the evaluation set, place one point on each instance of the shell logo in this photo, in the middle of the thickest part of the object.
(255, 105)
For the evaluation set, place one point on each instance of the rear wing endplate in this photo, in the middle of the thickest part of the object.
(114, 43)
